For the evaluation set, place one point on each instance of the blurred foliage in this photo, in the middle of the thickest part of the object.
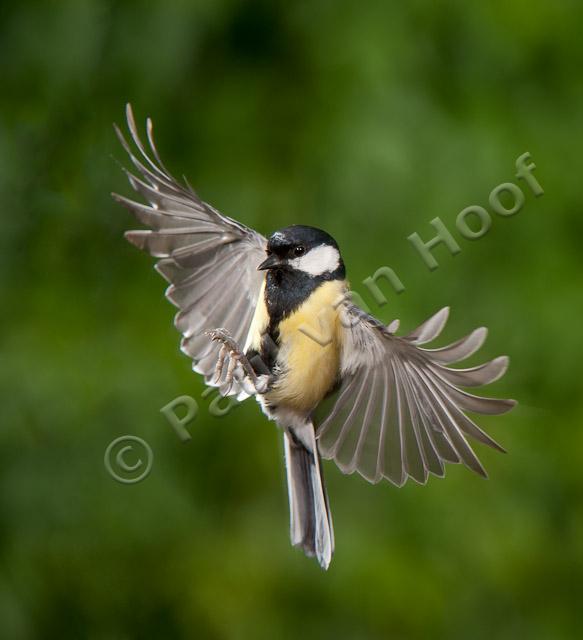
(367, 119)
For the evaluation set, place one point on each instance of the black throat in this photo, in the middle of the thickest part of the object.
(287, 289)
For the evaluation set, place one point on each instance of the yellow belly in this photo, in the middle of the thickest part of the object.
(309, 350)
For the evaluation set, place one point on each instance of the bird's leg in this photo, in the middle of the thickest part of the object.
(220, 363)
(251, 382)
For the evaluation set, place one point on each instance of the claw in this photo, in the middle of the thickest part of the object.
(219, 334)
(236, 357)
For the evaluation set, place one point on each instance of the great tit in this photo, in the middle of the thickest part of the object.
(272, 318)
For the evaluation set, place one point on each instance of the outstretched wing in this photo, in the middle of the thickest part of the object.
(399, 411)
(209, 259)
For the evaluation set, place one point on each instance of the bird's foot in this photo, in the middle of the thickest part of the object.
(238, 364)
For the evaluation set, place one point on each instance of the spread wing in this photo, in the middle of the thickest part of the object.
(399, 411)
(209, 259)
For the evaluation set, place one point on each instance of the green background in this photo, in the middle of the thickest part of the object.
(367, 119)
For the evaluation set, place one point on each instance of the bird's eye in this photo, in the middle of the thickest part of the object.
(299, 251)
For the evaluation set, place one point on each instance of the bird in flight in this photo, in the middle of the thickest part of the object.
(272, 318)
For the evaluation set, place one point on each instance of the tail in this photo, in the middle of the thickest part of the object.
(310, 517)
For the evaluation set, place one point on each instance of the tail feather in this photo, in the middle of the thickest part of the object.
(310, 517)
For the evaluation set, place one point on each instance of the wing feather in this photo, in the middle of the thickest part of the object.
(460, 350)
(430, 329)
(210, 260)
(432, 460)
(415, 462)
(476, 376)
(401, 407)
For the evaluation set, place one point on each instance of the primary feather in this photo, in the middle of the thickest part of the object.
(399, 412)
(209, 259)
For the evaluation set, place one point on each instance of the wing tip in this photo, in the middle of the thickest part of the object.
(443, 316)
(483, 333)
(137, 238)
(170, 295)
(502, 406)
(430, 329)
(120, 199)
(131, 121)
(501, 363)
(160, 266)
(118, 131)
(131, 237)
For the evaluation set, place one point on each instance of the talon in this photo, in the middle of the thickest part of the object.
(218, 334)
(236, 357)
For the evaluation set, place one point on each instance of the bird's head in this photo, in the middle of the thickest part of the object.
(305, 249)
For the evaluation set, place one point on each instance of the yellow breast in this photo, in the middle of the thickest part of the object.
(309, 350)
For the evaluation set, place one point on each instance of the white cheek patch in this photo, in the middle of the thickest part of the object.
(322, 259)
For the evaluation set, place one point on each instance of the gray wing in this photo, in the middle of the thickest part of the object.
(399, 412)
(209, 259)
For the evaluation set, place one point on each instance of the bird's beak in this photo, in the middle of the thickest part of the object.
(270, 262)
